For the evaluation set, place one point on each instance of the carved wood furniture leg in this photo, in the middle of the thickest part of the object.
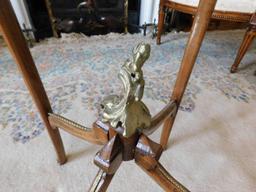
(248, 38)
(147, 154)
(160, 22)
(18, 47)
(199, 28)
(101, 182)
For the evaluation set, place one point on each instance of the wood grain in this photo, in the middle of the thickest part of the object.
(247, 41)
(101, 182)
(147, 152)
(109, 157)
(92, 135)
(147, 156)
(18, 47)
(164, 179)
(168, 111)
(196, 37)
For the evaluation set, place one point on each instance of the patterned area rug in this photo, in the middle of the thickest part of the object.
(212, 146)
(78, 69)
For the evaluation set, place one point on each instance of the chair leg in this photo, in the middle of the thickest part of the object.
(160, 22)
(199, 28)
(248, 38)
(17, 45)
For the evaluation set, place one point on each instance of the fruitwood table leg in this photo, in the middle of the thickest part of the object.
(101, 182)
(247, 41)
(198, 31)
(18, 46)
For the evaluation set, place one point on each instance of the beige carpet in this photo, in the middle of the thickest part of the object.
(212, 146)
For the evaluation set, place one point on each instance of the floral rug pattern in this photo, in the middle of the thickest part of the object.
(85, 69)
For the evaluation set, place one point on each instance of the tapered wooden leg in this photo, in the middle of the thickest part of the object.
(101, 182)
(247, 41)
(199, 28)
(160, 22)
(17, 45)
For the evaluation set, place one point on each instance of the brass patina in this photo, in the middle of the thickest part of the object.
(129, 111)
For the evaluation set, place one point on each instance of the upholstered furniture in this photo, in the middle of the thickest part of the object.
(120, 143)
(230, 10)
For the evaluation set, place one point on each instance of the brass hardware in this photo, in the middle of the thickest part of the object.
(129, 111)
(69, 122)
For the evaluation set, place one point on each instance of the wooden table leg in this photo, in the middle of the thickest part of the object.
(247, 41)
(101, 182)
(18, 46)
(198, 31)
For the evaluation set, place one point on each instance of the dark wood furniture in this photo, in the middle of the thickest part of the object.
(217, 14)
(117, 148)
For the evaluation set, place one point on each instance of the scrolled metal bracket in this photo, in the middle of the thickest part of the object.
(128, 111)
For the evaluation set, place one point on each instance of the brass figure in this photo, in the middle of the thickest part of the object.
(129, 111)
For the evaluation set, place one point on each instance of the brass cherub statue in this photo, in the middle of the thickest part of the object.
(129, 111)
